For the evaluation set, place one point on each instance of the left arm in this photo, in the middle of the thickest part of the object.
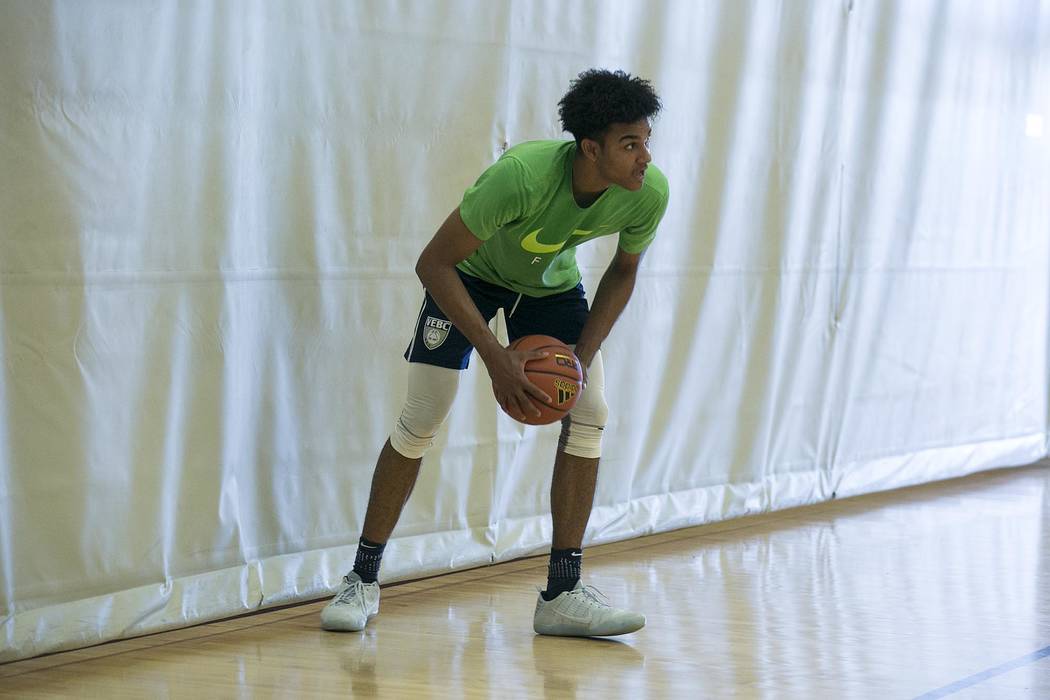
(613, 293)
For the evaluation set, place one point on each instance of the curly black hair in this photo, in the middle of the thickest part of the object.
(599, 98)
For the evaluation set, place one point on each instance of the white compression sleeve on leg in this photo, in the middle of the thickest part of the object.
(430, 393)
(581, 430)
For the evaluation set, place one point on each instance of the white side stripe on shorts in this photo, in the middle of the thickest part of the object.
(515, 307)
(415, 328)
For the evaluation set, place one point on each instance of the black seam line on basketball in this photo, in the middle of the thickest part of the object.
(555, 374)
(544, 347)
(550, 406)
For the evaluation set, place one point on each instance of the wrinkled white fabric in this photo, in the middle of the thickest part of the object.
(581, 434)
(210, 213)
(431, 391)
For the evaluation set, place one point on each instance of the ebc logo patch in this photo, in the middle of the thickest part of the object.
(435, 332)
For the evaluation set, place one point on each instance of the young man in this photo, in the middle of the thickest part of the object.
(511, 244)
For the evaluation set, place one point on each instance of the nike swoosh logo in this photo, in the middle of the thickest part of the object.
(583, 619)
(532, 244)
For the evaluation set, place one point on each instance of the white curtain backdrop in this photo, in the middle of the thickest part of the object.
(210, 212)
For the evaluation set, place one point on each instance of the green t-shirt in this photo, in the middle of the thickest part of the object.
(523, 209)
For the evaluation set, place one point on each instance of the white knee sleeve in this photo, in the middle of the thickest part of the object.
(430, 394)
(581, 430)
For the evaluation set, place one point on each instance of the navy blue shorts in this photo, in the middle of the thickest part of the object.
(438, 342)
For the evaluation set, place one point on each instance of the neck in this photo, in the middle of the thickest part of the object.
(587, 184)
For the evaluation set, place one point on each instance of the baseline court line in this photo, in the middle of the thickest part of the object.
(985, 675)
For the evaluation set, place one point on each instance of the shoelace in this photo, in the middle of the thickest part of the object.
(592, 595)
(353, 589)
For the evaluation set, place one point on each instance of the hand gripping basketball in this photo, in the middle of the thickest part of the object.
(559, 375)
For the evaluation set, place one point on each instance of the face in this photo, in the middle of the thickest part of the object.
(622, 154)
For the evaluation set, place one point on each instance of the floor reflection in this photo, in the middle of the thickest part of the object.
(892, 595)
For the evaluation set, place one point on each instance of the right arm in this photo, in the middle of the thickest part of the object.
(436, 269)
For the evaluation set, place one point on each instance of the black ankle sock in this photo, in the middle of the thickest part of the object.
(369, 556)
(563, 572)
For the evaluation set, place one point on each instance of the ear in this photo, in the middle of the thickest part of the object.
(591, 149)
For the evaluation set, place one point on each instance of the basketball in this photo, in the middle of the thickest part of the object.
(559, 375)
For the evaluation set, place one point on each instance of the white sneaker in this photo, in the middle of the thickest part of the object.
(352, 607)
(581, 613)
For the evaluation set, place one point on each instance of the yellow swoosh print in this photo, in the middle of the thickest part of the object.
(531, 242)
